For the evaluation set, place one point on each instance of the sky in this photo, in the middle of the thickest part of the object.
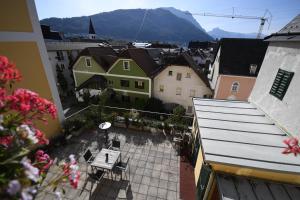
(282, 11)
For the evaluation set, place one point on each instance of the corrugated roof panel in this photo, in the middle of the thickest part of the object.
(233, 117)
(229, 110)
(242, 137)
(248, 151)
(254, 189)
(237, 126)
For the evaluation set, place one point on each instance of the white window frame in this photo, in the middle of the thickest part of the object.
(178, 91)
(179, 75)
(188, 75)
(128, 65)
(140, 83)
(235, 86)
(170, 74)
(86, 63)
(161, 88)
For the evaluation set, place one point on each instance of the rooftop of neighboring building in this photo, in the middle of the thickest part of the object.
(182, 59)
(238, 54)
(142, 58)
(104, 56)
(49, 34)
(290, 32)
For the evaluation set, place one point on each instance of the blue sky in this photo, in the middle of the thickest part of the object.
(282, 10)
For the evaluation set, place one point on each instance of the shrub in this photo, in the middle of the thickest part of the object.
(154, 105)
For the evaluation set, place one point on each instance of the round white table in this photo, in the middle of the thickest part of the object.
(104, 126)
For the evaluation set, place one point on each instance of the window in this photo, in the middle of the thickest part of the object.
(235, 87)
(126, 65)
(281, 83)
(59, 55)
(62, 66)
(189, 109)
(178, 77)
(161, 88)
(110, 82)
(252, 69)
(88, 62)
(188, 75)
(178, 91)
(139, 84)
(192, 93)
(124, 83)
(125, 98)
(170, 73)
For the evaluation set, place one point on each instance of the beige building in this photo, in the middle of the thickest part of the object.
(236, 65)
(179, 81)
(22, 42)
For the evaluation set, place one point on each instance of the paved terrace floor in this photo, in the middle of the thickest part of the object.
(154, 167)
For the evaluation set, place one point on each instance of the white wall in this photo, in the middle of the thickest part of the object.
(186, 84)
(214, 72)
(284, 55)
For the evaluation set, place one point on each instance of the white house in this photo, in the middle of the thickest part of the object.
(276, 90)
(179, 81)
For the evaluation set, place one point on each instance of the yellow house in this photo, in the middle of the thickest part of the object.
(22, 42)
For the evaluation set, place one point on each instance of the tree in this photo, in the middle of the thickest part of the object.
(154, 105)
(61, 79)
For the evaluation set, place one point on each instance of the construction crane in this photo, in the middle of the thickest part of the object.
(262, 19)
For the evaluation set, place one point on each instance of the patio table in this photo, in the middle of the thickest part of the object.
(100, 159)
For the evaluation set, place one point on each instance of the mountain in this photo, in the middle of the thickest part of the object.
(219, 33)
(184, 15)
(134, 25)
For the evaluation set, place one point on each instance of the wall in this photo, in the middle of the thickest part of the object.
(22, 42)
(214, 72)
(284, 55)
(115, 74)
(135, 70)
(225, 83)
(186, 84)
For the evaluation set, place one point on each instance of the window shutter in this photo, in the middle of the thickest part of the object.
(281, 83)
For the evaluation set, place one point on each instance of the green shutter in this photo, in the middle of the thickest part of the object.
(281, 83)
(203, 181)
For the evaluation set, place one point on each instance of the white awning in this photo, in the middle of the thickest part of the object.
(238, 133)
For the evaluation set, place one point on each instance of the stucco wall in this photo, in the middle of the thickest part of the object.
(134, 69)
(225, 83)
(284, 55)
(186, 84)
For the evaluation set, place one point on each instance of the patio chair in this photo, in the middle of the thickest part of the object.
(121, 167)
(97, 177)
(122, 194)
(88, 156)
(115, 145)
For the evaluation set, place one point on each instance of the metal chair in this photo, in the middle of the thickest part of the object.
(98, 176)
(121, 167)
(88, 156)
(115, 145)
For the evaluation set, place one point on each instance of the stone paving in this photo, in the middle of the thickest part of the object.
(154, 168)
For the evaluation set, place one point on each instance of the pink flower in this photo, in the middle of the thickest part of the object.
(71, 170)
(6, 140)
(8, 71)
(43, 160)
(41, 137)
(292, 146)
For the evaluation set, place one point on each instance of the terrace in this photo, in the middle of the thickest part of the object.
(154, 167)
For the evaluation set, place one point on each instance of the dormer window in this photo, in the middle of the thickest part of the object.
(235, 87)
(252, 69)
(126, 65)
(88, 62)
